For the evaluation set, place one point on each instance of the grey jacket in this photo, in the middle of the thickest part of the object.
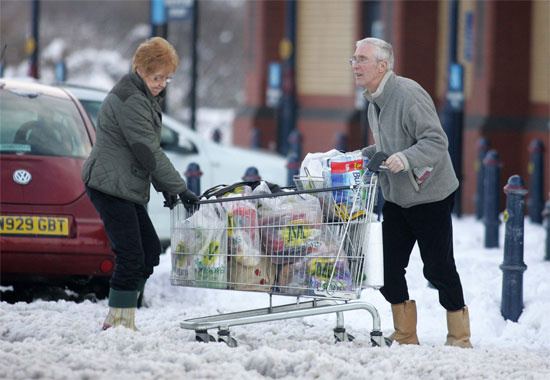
(127, 157)
(407, 124)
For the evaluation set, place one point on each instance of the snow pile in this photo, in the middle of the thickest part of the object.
(63, 340)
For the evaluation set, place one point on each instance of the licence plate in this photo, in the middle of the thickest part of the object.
(34, 225)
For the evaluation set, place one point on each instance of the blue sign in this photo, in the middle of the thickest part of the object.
(274, 75)
(158, 12)
(468, 36)
(456, 73)
(274, 81)
(178, 10)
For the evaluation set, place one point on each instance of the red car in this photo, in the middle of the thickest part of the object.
(49, 230)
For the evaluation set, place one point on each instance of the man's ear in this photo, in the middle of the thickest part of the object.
(383, 66)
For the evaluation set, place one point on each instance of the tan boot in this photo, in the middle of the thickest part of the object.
(404, 322)
(122, 309)
(120, 317)
(458, 325)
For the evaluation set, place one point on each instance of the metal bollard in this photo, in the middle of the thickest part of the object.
(491, 197)
(293, 167)
(341, 142)
(255, 138)
(217, 136)
(536, 183)
(546, 214)
(513, 266)
(193, 177)
(483, 146)
(251, 174)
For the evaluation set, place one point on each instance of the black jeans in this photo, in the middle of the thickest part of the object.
(430, 225)
(132, 236)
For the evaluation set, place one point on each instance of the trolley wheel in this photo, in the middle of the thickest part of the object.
(342, 336)
(203, 336)
(378, 340)
(225, 336)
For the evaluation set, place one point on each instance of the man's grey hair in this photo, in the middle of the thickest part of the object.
(383, 50)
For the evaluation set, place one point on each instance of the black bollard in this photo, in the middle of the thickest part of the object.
(217, 136)
(491, 197)
(341, 142)
(513, 266)
(193, 177)
(482, 149)
(293, 167)
(251, 174)
(536, 183)
(546, 214)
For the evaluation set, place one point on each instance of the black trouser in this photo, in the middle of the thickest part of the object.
(430, 225)
(132, 236)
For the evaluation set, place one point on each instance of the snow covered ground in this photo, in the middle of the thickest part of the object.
(63, 340)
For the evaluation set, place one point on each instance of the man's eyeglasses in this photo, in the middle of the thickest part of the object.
(361, 60)
(162, 79)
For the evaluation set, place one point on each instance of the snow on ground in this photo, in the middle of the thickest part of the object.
(63, 339)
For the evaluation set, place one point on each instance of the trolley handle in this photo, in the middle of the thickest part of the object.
(273, 195)
(375, 163)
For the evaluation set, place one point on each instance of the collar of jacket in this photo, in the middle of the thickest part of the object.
(140, 85)
(383, 93)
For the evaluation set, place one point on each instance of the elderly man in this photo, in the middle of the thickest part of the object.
(419, 190)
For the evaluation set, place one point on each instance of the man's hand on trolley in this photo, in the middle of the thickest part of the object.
(394, 163)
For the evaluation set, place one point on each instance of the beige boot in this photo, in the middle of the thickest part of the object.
(120, 317)
(122, 309)
(404, 322)
(458, 325)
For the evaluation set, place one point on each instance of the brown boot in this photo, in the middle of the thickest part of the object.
(458, 325)
(404, 322)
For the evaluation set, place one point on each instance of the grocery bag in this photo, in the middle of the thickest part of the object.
(258, 277)
(201, 255)
(243, 235)
(290, 226)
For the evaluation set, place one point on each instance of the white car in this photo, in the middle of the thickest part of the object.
(218, 164)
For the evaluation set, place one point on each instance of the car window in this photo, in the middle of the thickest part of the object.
(38, 124)
(92, 108)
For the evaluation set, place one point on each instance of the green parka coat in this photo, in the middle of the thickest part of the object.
(127, 156)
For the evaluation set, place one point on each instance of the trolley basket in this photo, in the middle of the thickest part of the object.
(312, 243)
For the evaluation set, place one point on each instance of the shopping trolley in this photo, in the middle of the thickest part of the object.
(311, 243)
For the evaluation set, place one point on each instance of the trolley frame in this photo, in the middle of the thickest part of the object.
(323, 302)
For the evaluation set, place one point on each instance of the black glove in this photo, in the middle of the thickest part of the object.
(190, 200)
(169, 200)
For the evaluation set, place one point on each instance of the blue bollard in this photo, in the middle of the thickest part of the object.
(536, 185)
(295, 143)
(483, 146)
(193, 177)
(293, 167)
(60, 72)
(217, 136)
(255, 138)
(491, 196)
(251, 174)
(341, 142)
(513, 266)
(546, 214)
